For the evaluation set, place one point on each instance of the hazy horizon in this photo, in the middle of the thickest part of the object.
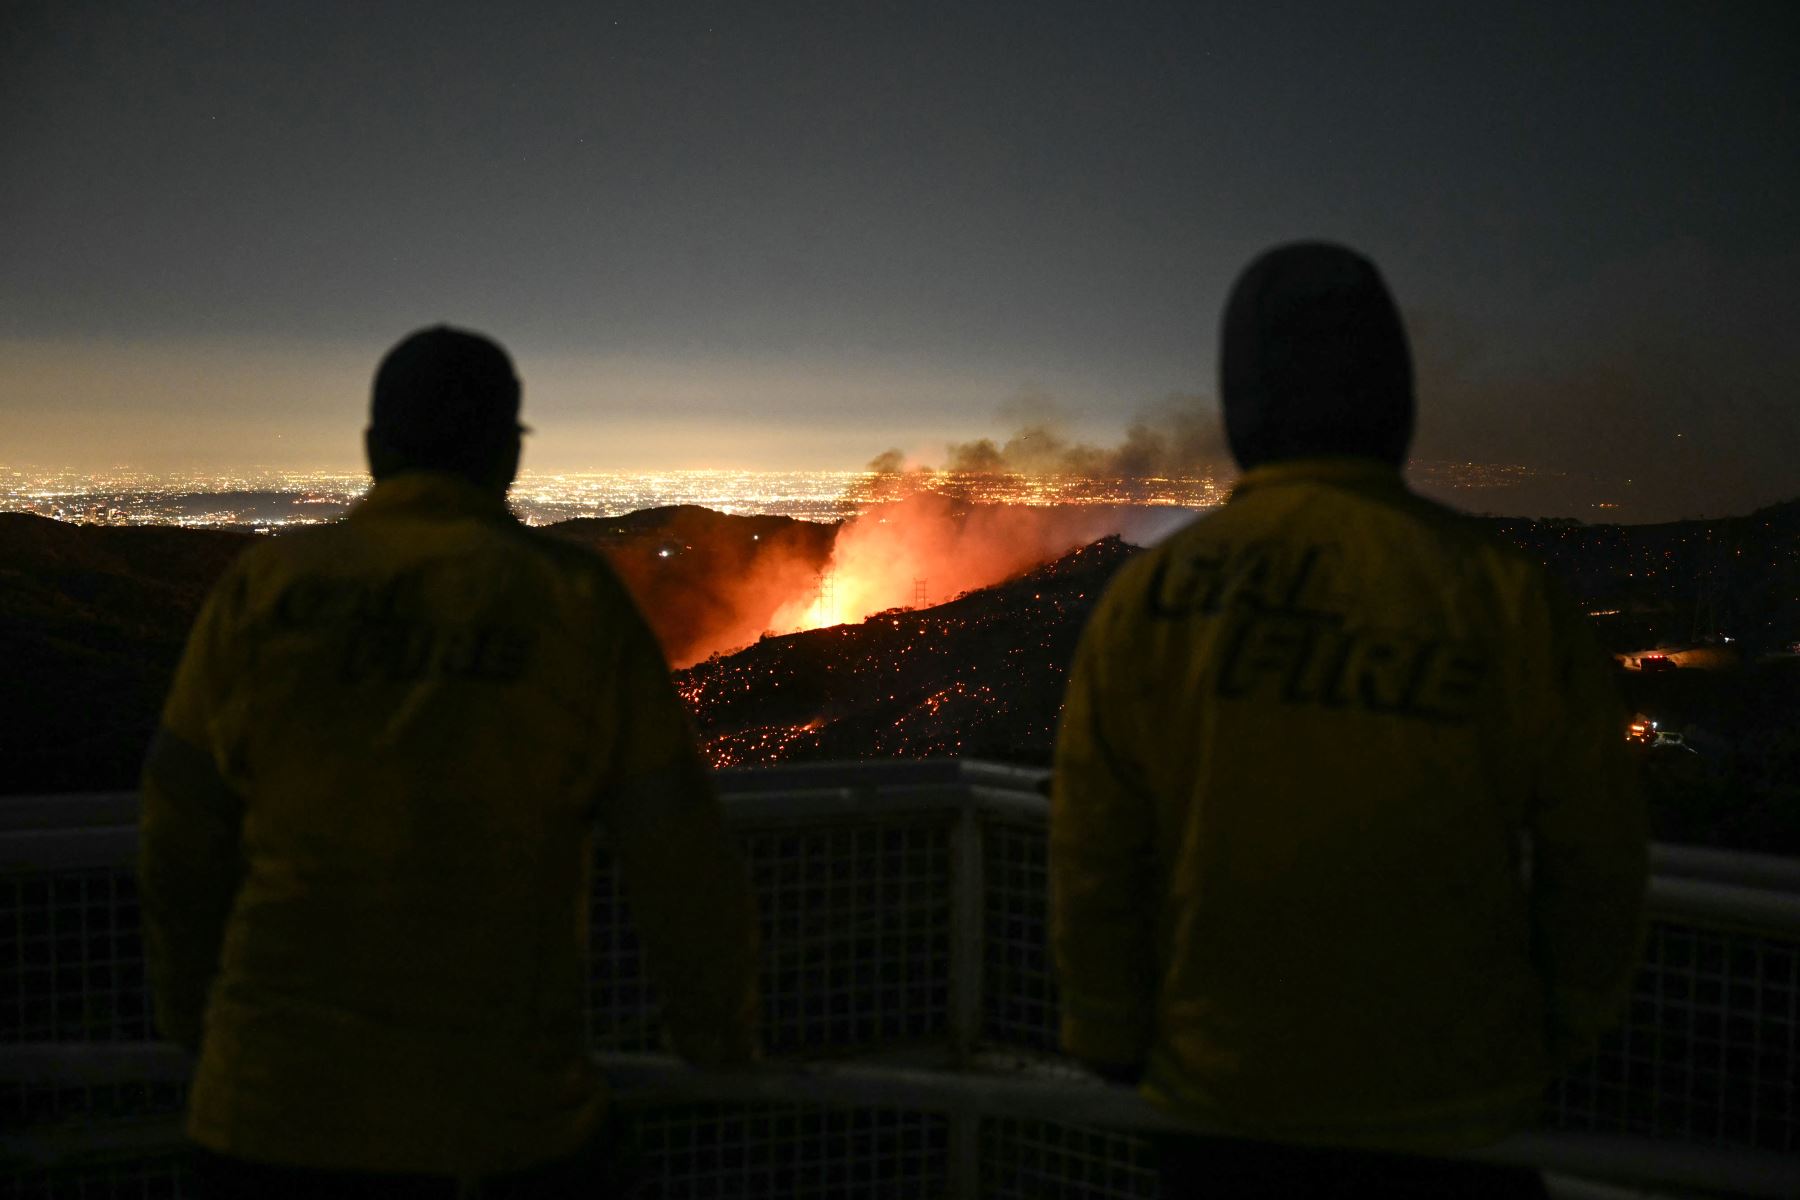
(801, 237)
(260, 496)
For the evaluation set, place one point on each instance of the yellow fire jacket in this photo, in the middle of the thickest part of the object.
(1313, 743)
(367, 837)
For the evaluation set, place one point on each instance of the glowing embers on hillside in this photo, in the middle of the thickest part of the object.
(981, 674)
(760, 744)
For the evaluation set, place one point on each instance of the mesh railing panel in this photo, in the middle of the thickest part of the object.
(856, 940)
(1018, 1001)
(160, 1177)
(856, 928)
(621, 1008)
(1708, 1052)
(697, 1152)
(22, 1105)
(1039, 1160)
(71, 958)
(713, 1152)
(856, 934)
(857, 923)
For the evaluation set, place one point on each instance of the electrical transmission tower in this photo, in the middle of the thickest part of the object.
(918, 593)
(827, 599)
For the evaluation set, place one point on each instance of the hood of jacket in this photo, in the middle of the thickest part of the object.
(1314, 360)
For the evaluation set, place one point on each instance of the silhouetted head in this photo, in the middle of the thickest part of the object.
(446, 400)
(1313, 359)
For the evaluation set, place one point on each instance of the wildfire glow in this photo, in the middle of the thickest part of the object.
(713, 585)
(919, 549)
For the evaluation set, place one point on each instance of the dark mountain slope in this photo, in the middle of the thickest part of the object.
(93, 619)
(92, 622)
(705, 579)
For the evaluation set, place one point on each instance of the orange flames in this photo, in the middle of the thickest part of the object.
(921, 548)
(711, 585)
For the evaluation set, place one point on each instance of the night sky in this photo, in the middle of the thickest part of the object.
(788, 235)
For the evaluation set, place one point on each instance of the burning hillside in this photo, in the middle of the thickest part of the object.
(982, 676)
(710, 583)
(97, 617)
(705, 580)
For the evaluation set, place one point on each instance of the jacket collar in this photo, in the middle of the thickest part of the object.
(1358, 474)
(430, 494)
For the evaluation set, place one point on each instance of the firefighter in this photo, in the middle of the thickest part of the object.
(1310, 743)
(368, 827)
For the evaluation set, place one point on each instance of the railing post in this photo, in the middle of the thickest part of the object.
(968, 914)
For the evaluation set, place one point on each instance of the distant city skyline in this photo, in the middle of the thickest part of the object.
(269, 499)
(801, 236)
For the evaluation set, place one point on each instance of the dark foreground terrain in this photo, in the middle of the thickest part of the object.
(92, 621)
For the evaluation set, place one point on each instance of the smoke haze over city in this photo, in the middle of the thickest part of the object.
(795, 237)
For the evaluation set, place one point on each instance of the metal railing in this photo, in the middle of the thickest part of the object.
(910, 1009)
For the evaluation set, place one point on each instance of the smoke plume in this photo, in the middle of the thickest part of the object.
(1179, 438)
(710, 584)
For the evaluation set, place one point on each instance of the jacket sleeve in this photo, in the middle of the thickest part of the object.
(1589, 845)
(189, 861)
(686, 882)
(1103, 895)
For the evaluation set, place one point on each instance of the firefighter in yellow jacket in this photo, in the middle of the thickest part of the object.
(1345, 848)
(368, 826)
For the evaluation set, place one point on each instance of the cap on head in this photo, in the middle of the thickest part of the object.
(445, 398)
(1313, 359)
